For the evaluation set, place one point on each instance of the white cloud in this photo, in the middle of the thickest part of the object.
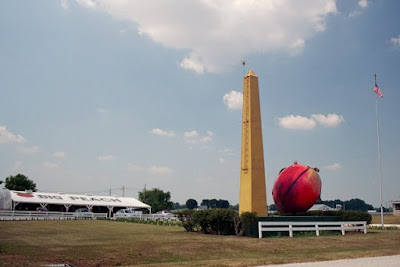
(88, 3)
(363, 3)
(159, 170)
(355, 13)
(216, 34)
(233, 100)
(331, 120)
(158, 131)
(191, 142)
(207, 138)
(297, 123)
(102, 110)
(134, 167)
(64, 4)
(296, 47)
(221, 160)
(192, 63)
(194, 138)
(59, 155)
(395, 41)
(49, 165)
(226, 152)
(9, 137)
(28, 150)
(105, 157)
(333, 167)
(191, 134)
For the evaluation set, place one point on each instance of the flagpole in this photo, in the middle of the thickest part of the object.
(379, 155)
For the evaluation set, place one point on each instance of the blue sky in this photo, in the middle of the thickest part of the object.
(99, 94)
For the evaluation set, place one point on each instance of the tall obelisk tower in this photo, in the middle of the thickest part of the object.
(252, 173)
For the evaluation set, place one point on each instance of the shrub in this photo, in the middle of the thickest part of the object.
(186, 217)
(215, 221)
(201, 219)
(243, 222)
(221, 221)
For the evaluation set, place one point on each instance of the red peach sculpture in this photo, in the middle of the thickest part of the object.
(297, 188)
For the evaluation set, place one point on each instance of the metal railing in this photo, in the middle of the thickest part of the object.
(49, 215)
(310, 226)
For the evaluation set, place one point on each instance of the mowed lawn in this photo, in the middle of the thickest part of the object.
(109, 243)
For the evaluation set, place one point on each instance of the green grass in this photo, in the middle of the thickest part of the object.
(109, 243)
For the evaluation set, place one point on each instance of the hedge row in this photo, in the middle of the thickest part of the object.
(344, 215)
(216, 221)
(155, 222)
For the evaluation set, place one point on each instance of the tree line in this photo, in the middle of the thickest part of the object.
(160, 200)
(352, 204)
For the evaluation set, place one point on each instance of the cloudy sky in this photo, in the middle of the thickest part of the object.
(100, 94)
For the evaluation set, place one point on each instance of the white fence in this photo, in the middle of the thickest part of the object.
(310, 226)
(153, 217)
(6, 215)
(49, 215)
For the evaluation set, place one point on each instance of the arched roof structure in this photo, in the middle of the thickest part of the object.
(67, 200)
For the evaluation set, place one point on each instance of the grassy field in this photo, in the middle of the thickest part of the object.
(109, 243)
(387, 219)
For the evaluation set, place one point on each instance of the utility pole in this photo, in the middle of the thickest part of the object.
(123, 191)
(379, 93)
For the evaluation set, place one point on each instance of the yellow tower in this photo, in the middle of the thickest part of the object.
(252, 173)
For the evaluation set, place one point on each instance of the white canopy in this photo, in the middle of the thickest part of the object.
(76, 200)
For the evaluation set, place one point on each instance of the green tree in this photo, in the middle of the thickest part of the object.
(357, 204)
(214, 204)
(235, 207)
(223, 204)
(156, 198)
(352, 204)
(177, 206)
(19, 182)
(205, 202)
(191, 203)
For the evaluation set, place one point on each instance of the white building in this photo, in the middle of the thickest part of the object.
(320, 207)
(62, 202)
(396, 207)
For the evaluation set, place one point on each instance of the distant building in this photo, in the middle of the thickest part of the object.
(396, 207)
(320, 207)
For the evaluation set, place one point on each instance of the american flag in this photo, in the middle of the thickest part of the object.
(378, 91)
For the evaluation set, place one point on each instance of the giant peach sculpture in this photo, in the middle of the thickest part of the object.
(297, 188)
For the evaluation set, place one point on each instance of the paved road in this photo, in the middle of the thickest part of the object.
(387, 261)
